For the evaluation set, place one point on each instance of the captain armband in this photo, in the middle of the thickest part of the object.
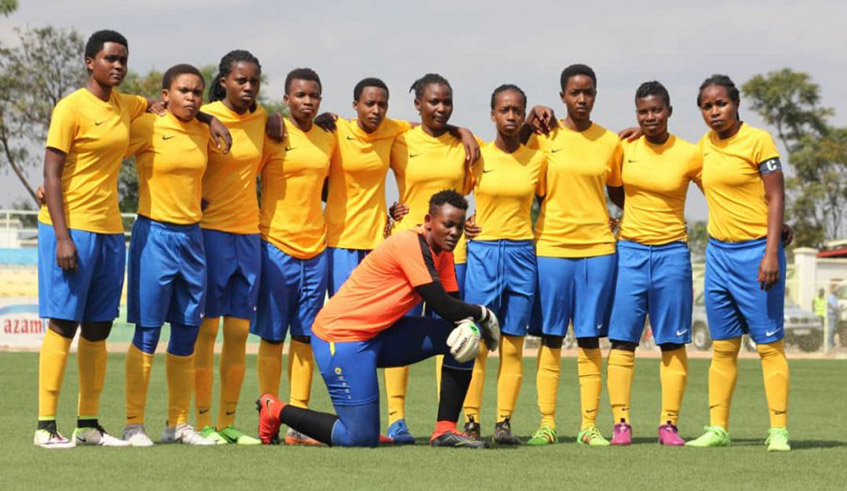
(770, 165)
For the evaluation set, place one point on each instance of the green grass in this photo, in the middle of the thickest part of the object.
(817, 427)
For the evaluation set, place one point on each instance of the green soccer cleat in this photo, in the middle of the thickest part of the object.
(545, 435)
(715, 436)
(592, 437)
(238, 437)
(778, 440)
(209, 433)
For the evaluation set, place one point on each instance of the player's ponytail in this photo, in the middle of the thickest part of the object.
(216, 91)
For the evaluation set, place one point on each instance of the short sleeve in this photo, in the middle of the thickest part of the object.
(614, 178)
(135, 104)
(764, 149)
(398, 149)
(269, 147)
(695, 167)
(63, 127)
(414, 258)
(447, 272)
(534, 142)
(541, 187)
(397, 126)
(140, 135)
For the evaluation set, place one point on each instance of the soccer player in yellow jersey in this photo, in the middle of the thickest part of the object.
(501, 271)
(167, 267)
(293, 232)
(576, 251)
(230, 227)
(654, 263)
(81, 253)
(745, 260)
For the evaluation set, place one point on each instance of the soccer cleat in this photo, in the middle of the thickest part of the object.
(238, 437)
(269, 407)
(399, 433)
(473, 429)
(294, 437)
(621, 434)
(185, 434)
(545, 435)
(503, 433)
(97, 436)
(591, 437)
(715, 436)
(778, 440)
(51, 438)
(136, 435)
(209, 433)
(453, 438)
(668, 435)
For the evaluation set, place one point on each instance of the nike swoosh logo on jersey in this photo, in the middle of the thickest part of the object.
(98, 123)
(630, 161)
(230, 413)
(203, 411)
(413, 155)
(167, 137)
(288, 149)
(556, 150)
(350, 138)
(487, 171)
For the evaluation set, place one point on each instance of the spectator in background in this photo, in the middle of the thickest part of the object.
(832, 314)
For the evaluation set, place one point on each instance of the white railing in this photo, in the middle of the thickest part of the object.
(18, 228)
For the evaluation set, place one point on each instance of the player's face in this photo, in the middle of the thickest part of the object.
(435, 106)
(445, 227)
(303, 99)
(108, 67)
(652, 114)
(185, 96)
(718, 110)
(579, 96)
(509, 112)
(371, 108)
(242, 85)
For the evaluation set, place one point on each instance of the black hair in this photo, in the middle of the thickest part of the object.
(430, 78)
(653, 88)
(177, 70)
(368, 82)
(573, 71)
(218, 93)
(302, 74)
(98, 39)
(504, 88)
(447, 196)
(721, 81)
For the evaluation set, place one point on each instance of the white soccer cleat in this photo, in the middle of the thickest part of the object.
(186, 434)
(51, 439)
(137, 436)
(97, 436)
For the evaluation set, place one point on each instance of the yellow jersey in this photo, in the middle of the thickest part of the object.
(655, 180)
(732, 183)
(504, 186)
(574, 220)
(293, 174)
(94, 134)
(229, 185)
(355, 207)
(170, 157)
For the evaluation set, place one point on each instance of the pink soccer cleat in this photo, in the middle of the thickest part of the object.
(622, 434)
(668, 435)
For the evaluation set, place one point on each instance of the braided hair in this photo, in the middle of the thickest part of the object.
(216, 91)
(653, 88)
(430, 78)
(505, 88)
(725, 82)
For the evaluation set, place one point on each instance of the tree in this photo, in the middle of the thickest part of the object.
(698, 237)
(33, 77)
(816, 194)
(8, 6)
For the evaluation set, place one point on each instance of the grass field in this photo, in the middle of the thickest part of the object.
(819, 434)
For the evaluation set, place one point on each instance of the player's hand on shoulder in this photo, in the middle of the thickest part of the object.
(221, 135)
(630, 134)
(542, 119)
(275, 127)
(464, 340)
(490, 327)
(159, 108)
(326, 121)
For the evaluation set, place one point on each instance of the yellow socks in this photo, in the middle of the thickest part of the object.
(180, 373)
(91, 358)
(473, 399)
(510, 375)
(301, 367)
(674, 375)
(547, 383)
(723, 375)
(619, 373)
(232, 368)
(51, 371)
(269, 364)
(777, 381)
(396, 381)
(138, 366)
(204, 365)
(589, 368)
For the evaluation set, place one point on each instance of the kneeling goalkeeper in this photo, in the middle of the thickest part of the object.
(363, 328)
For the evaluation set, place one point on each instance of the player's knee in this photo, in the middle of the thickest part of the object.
(670, 346)
(588, 343)
(726, 347)
(182, 339)
(552, 342)
(624, 345)
(146, 338)
(64, 328)
(95, 331)
(302, 339)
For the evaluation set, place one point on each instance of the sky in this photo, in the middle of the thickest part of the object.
(478, 45)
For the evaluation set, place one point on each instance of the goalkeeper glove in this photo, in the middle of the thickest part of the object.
(464, 341)
(490, 328)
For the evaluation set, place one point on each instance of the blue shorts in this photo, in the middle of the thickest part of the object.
(167, 274)
(234, 265)
(93, 292)
(735, 304)
(654, 281)
(502, 275)
(342, 262)
(574, 289)
(291, 293)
